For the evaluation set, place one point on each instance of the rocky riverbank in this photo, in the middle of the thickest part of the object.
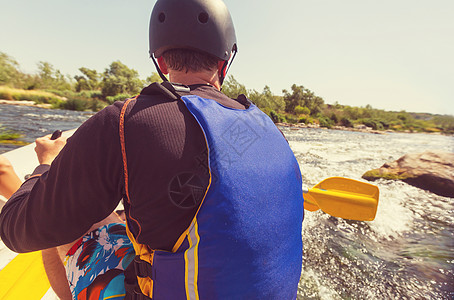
(360, 128)
(25, 103)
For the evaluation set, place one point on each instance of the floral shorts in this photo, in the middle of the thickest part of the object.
(96, 263)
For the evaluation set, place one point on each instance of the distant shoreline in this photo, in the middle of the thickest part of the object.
(364, 130)
(288, 125)
(302, 125)
(25, 103)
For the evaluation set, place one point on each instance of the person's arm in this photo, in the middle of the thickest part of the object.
(83, 186)
(56, 273)
(53, 261)
(9, 181)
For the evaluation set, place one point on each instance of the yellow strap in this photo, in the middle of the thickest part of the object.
(24, 278)
(146, 254)
(191, 258)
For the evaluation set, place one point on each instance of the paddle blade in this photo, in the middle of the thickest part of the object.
(24, 278)
(309, 203)
(346, 198)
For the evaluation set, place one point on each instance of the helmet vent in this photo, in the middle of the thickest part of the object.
(203, 17)
(162, 17)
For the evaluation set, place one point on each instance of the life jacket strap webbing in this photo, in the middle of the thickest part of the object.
(142, 268)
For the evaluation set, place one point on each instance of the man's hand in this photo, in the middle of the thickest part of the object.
(47, 149)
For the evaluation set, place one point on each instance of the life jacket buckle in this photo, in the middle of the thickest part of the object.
(142, 268)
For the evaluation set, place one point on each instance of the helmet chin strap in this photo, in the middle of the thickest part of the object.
(224, 67)
(158, 69)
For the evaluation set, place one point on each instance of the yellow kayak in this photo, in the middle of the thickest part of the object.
(24, 278)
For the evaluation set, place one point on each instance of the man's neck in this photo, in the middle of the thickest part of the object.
(191, 78)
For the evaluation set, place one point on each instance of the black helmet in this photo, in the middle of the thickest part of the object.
(204, 25)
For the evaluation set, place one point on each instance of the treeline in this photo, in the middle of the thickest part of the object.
(91, 90)
(301, 105)
(88, 90)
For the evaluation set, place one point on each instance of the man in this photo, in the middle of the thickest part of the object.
(211, 189)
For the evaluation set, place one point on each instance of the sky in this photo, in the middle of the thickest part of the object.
(391, 54)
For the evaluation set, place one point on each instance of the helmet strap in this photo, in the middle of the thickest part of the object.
(223, 71)
(225, 68)
(158, 69)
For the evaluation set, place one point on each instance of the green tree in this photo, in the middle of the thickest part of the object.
(353, 113)
(404, 116)
(51, 78)
(300, 110)
(154, 77)
(334, 118)
(263, 100)
(314, 103)
(232, 88)
(9, 70)
(272, 101)
(445, 122)
(303, 97)
(346, 122)
(90, 80)
(293, 99)
(256, 98)
(276, 117)
(336, 105)
(119, 79)
(325, 121)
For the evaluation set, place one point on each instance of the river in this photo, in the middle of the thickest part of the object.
(405, 253)
(34, 122)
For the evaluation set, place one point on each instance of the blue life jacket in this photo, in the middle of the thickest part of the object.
(245, 240)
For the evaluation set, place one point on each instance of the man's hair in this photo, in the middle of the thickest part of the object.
(189, 60)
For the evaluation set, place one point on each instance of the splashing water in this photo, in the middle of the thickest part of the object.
(405, 253)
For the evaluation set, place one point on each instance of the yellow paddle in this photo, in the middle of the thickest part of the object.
(344, 198)
(24, 278)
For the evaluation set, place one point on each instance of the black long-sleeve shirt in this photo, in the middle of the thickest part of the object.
(85, 182)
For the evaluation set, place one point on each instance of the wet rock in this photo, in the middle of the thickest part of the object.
(430, 170)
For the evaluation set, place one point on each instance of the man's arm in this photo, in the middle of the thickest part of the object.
(83, 186)
(9, 181)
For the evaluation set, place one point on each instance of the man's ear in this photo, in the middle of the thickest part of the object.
(162, 65)
(220, 66)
